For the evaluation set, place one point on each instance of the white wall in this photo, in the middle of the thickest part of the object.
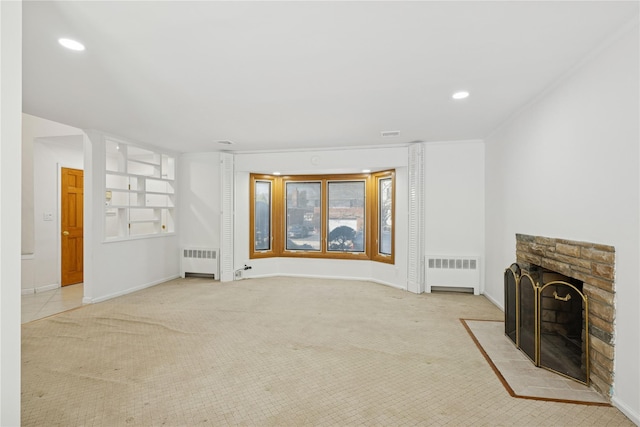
(119, 267)
(454, 199)
(567, 167)
(10, 178)
(322, 162)
(199, 208)
(41, 270)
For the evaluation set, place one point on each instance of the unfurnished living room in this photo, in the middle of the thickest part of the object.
(319, 213)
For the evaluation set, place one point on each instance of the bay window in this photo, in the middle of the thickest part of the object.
(328, 216)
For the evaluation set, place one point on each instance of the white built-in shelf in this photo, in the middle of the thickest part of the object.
(151, 174)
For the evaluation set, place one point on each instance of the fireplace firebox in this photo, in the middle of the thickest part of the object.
(547, 318)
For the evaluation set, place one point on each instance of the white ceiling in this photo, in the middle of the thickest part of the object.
(297, 75)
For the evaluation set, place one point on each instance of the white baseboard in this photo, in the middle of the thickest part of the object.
(362, 279)
(46, 288)
(494, 302)
(624, 408)
(315, 276)
(87, 300)
(305, 276)
(37, 290)
(393, 285)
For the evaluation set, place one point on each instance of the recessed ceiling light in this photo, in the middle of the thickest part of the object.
(460, 95)
(276, 173)
(225, 142)
(389, 133)
(366, 170)
(71, 44)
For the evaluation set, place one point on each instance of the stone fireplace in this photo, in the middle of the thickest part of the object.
(593, 265)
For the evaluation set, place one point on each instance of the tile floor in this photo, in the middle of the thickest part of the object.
(520, 373)
(42, 304)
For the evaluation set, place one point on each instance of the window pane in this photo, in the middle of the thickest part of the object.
(385, 215)
(262, 216)
(303, 216)
(346, 216)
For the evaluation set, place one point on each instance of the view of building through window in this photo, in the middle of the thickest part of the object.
(385, 215)
(303, 216)
(346, 218)
(262, 216)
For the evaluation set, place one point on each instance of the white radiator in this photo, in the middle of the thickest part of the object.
(199, 261)
(452, 272)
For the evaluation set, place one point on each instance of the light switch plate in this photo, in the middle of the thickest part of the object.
(48, 216)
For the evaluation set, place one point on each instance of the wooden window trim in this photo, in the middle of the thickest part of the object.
(375, 227)
(252, 247)
(283, 236)
(279, 215)
(366, 254)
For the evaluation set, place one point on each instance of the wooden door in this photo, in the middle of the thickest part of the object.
(72, 226)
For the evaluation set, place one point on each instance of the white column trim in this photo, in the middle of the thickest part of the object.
(415, 261)
(226, 217)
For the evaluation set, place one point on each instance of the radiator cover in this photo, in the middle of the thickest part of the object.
(199, 261)
(452, 271)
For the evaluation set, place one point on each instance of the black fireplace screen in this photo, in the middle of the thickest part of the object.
(527, 316)
(561, 330)
(548, 322)
(511, 276)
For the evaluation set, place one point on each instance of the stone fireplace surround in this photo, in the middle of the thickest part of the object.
(594, 265)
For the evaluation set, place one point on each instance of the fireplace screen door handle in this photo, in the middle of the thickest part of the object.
(559, 298)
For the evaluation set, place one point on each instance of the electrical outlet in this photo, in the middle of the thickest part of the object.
(239, 274)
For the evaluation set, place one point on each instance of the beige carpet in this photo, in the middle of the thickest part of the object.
(278, 351)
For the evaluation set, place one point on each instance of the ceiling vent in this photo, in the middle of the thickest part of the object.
(389, 133)
(225, 142)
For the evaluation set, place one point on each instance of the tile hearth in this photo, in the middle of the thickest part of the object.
(519, 376)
